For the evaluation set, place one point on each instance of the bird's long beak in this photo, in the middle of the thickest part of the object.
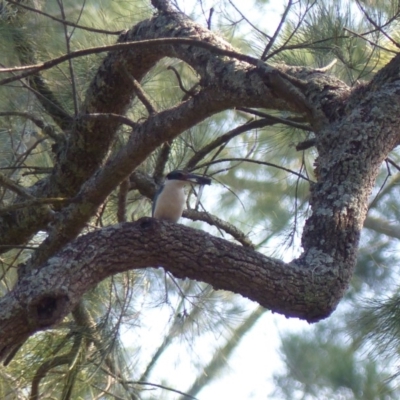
(200, 180)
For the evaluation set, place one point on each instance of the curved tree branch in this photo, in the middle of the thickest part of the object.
(42, 298)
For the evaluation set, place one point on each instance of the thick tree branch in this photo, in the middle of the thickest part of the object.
(45, 296)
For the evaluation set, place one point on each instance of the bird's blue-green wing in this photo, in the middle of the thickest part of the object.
(153, 207)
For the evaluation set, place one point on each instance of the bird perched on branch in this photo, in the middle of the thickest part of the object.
(169, 201)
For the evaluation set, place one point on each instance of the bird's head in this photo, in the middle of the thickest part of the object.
(184, 176)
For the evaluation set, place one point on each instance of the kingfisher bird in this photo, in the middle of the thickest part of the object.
(169, 201)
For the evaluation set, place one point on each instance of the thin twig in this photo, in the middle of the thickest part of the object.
(196, 158)
(255, 162)
(370, 41)
(83, 4)
(51, 363)
(34, 202)
(389, 173)
(387, 23)
(141, 94)
(11, 185)
(376, 26)
(327, 67)
(293, 33)
(37, 121)
(64, 22)
(296, 208)
(277, 30)
(165, 387)
(70, 65)
(285, 121)
(33, 68)
(249, 22)
(305, 45)
(120, 118)
(225, 226)
(22, 157)
(209, 18)
(55, 106)
(49, 130)
(16, 246)
(306, 144)
(178, 77)
(391, 162)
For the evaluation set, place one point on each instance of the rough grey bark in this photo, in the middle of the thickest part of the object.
(355, 129)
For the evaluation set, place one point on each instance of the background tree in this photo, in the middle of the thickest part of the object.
(86, 137)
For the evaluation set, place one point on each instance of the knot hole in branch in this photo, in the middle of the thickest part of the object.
(48, 310)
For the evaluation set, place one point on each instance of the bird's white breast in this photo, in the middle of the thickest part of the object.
(170, 202)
